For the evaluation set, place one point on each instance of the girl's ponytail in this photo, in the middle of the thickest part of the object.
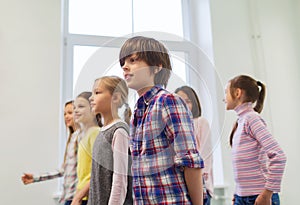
(127, 113)
(261, 97)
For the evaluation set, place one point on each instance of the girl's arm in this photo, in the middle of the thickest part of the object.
(28, 178)
(204, 145)
(120, 155)
(193, 178)
(275, 154)
(80, 194)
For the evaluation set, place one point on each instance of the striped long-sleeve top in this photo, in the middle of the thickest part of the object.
(258, 160)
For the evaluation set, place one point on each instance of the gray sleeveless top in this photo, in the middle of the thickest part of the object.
(102, 168)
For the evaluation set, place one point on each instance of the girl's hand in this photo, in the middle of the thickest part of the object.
(76, 201)
(233, 199)
(205, 176)
(27, 178)
(264, 198)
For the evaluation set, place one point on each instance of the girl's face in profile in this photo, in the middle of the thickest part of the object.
(82, 111)
(230, 102)
(101, 99)
(184, 96)
(68, 115)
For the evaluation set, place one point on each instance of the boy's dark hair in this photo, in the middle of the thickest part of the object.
(252, 94)
(153, 52)
(192, 95)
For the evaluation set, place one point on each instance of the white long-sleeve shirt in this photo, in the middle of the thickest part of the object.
(204, 146)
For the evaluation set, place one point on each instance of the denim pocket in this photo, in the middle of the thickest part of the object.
(275, 199)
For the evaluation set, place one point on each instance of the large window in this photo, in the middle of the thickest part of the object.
(99, 27)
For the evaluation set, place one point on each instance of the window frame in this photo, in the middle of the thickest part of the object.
(70, 40)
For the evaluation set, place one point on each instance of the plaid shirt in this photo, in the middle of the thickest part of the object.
(162, 144)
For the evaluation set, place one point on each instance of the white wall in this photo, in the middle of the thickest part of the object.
(260, 38)
(29, 105)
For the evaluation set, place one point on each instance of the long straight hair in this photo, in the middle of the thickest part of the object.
(71, 130)
(192, 95)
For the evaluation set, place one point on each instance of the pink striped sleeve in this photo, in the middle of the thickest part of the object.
(276, 156)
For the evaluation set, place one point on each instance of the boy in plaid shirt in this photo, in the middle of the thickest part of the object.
(166, 165)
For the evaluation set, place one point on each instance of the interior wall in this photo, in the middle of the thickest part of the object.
(29, 106)
(261, 39)
(279, 26)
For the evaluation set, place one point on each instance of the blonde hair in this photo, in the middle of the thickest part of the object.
(115, 84)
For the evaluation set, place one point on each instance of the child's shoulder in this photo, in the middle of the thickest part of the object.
(253, 118)
(122, 125)
(94, 130)
(165, 96)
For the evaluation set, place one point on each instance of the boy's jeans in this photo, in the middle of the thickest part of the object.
(249, 200)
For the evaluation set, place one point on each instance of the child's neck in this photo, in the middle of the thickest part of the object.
(84, 128)
(144, 89)
(109, 118)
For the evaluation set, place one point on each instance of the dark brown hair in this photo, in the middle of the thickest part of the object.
(252, 94)
(71, 131)
(153, 52)
(192, 95)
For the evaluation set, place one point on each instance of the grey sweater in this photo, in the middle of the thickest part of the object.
(102, 168)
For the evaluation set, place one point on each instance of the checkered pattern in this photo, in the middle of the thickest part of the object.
(162, 144)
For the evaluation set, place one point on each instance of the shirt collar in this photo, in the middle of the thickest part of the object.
(241, 109)
(147, 96)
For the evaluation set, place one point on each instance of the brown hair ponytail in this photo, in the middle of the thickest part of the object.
(261, 97)
(252, 94)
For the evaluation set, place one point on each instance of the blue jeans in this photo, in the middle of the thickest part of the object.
(206, 201)
(249, 200)
(70, 202)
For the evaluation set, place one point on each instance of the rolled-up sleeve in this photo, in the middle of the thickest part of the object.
(180, 132)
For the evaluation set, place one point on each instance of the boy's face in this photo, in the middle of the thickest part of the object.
(137, 74)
